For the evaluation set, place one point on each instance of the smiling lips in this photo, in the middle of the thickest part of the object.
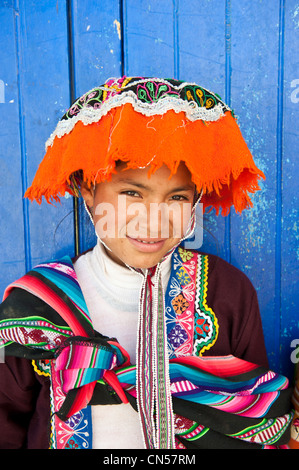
(148, 245)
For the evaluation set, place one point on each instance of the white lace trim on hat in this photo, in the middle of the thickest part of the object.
(88, 115)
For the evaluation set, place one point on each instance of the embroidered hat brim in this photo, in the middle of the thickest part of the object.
(148, 122)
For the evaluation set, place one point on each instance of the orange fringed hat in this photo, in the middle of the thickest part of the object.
(149, 122)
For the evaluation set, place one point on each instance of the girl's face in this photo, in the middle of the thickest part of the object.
(139, 218)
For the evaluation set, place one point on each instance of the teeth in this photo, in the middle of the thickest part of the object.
(150, 243)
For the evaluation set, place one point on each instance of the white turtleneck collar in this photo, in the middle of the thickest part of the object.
(116, 283)
(121, 275)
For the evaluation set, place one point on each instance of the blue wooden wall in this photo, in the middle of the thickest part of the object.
(245, 50)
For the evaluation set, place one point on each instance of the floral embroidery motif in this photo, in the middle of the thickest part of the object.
(185, 254)
(177, 336)
(192, 326)
(152, 91)
(202, 327)
(75, 433)
(147, 91)
(183, 276)
(180, 304)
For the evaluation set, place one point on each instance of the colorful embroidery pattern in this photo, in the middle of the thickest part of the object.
(267, 433)
(192, 326)
(32, 331)
(145, 90)
(75, 432)
(148, 96)
(205, 322)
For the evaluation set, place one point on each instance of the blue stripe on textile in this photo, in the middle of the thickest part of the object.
(202, 397)
(103, 359)
(118, 353)
(91, 375)
(127, 377)
(66, 283)
(204, 380)
(196, 396)
(279, 382)
(213, 399)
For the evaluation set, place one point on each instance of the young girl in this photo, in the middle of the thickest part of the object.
(139, 342)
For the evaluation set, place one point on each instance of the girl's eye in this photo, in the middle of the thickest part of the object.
(130, 193)
(178, 197)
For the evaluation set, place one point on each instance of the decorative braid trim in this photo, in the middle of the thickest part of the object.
(41, 368)
(203, 308)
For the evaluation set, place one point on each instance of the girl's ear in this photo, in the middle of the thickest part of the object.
(87, 194)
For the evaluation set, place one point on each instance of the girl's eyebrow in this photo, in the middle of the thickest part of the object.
(187, 187)
(134, 183)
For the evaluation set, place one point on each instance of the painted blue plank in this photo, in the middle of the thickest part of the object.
(12, 247)
(149, 38)
(254, 95)
(97, 54)
(44, 93)
(279, 135)
(97, 42)
(289, 201)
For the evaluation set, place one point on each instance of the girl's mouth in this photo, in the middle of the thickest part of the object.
(148, 245)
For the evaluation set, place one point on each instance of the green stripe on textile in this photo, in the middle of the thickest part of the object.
(197, 436)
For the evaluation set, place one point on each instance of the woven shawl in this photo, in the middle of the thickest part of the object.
(217, 401)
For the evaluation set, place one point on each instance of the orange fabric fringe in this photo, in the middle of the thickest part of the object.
(215, 153)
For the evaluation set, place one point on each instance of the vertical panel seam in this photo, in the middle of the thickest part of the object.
(71, 54)
(71, 61)
(279, 139)
(176, 53)
(17, 19)
(227, 234)
(122, 19)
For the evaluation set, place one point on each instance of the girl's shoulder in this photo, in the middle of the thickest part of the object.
(218, 270)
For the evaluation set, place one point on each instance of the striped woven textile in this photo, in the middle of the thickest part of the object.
(228, 394)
